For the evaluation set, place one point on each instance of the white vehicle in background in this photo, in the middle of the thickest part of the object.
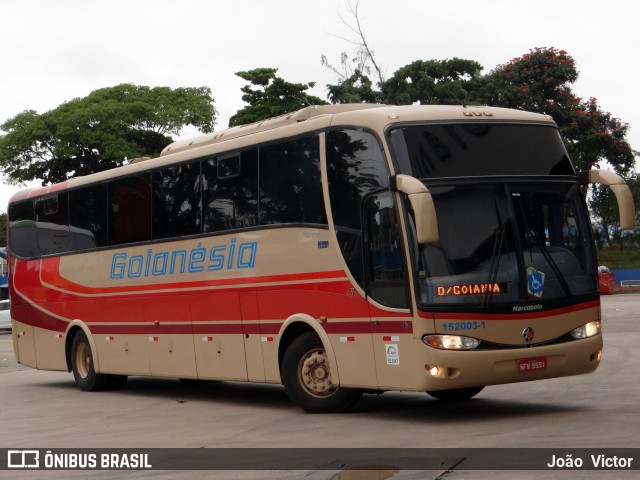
(5, 314)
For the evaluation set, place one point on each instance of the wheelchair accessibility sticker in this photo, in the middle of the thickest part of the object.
(535, 282)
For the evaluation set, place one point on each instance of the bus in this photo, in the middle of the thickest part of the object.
(335, 250)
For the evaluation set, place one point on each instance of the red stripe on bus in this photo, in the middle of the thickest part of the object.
(30, 315)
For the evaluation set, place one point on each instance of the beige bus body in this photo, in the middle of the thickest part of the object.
(267, 308)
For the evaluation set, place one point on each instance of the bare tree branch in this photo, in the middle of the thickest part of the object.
(363, 52)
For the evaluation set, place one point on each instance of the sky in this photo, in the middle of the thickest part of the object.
(55, 51)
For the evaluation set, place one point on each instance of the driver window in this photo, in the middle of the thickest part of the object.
(386, 274)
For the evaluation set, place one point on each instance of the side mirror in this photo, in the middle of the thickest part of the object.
(626, 206)
(422, 205)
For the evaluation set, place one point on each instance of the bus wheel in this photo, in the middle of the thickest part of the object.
(82, 365)
(456, 394)
(306, 376)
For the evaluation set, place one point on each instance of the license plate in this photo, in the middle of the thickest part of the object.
(532, 364)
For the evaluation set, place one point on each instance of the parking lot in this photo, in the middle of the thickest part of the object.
(45, 410)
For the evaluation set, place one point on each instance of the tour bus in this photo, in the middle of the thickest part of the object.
(335, 250)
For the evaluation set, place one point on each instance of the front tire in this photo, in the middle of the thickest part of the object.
(306, 376)
(457, 394)
(82, 366)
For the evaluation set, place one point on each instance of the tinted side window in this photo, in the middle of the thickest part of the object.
(230, 191)
(385, 273)
(176, 201)
(22, 229)
(290, 185)
(88, 217)
(356, 166)
(130, 210)
(52, 222)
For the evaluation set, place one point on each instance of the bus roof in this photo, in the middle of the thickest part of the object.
(373, 116)
(356, 114)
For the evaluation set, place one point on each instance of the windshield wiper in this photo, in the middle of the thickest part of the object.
(495, 257)
(530, 234)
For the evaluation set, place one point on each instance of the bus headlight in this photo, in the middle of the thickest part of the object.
(587, 330)
(451, 342)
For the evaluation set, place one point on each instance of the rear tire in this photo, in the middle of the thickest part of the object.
(306, 376)
(82, 366)
(456, 394)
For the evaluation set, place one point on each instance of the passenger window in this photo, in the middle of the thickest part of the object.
(230, 191)
(52, 222)
(88, 217)
(290, 185)
(130, 210)
(22, 231)
(176, 201)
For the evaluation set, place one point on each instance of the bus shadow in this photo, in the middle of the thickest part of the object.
(392, 405)
(236, 393)
(420, 407)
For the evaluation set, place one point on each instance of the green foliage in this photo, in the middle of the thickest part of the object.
(357, 88)
(274, 96)
(619, 257)
(436, 82)
(103, 130)
(431, 82)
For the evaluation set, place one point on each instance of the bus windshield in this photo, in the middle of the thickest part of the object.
(518, 235)
(507, 243)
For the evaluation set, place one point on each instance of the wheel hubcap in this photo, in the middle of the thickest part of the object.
(315, 375)
(83, 360)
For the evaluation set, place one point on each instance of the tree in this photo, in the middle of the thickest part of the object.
(357, 88)
(431, 82)
(274, 96)
(103, 130)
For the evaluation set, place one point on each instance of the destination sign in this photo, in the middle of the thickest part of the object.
(471, 289)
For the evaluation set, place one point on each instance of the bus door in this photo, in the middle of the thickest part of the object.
(252, 337)
(386, 281)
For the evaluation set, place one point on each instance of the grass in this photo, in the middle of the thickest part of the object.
(619, 257)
